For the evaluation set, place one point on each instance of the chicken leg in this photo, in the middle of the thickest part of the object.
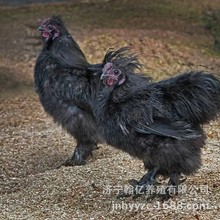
(172, 188)
(141, 186)
(80, 154)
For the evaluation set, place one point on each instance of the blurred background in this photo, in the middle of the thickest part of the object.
(170, 37)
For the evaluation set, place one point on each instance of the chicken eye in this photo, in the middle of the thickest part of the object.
(117, 72)
(50, 27)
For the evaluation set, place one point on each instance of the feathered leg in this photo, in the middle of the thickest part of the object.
(173, 183)
(83, 128)
(80, 154)
(141, 186)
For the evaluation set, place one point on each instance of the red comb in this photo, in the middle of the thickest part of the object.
(107, 66)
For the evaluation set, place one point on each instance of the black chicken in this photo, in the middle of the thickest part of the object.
(157, 122)
(62, 81)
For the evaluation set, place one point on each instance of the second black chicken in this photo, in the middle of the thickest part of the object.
(157, 122)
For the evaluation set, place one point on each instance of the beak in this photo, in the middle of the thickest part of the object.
(41, 28)
(103, 76)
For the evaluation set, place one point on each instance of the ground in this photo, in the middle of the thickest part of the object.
(169, 38)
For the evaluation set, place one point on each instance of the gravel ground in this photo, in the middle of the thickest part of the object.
(33, 188)
(33, 147)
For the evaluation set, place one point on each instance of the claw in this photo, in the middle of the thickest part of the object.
(165, 197)
(183, 179)
(151, 197)
(135, 196)
(71, 162)
(80, 155)
(133, 182)
(123, 195)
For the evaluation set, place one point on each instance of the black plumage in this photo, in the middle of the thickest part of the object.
(157, 122)
(62, 81)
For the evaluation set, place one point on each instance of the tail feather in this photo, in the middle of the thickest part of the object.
(194, 96)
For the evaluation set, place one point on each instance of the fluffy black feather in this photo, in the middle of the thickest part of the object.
(127, 63)
(62, 47)
(157, 122)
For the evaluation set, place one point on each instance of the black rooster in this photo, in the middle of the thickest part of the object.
(157, 122)
(62, 81)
